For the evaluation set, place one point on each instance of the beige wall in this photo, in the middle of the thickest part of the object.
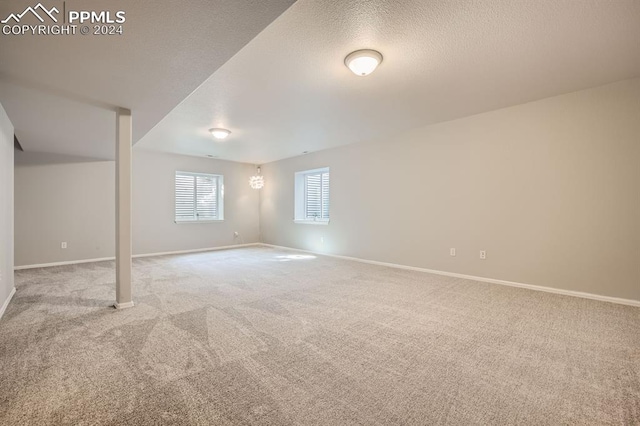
(72, 202)
(6, 206)
(154, 229)
(75, 202)
(550, 189)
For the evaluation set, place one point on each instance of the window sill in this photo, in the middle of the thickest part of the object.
(180, 222)
(311, 222)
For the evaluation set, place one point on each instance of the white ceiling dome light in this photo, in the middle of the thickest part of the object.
(220, 133)
(363, 62)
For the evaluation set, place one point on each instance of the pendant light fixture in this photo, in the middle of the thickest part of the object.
(257, 181)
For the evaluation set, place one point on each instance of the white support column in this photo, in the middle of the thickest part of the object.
(123, 209)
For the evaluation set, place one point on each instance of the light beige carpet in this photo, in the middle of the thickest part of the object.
(264, 336)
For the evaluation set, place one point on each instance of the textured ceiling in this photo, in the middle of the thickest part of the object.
(60, 91)
(288, 90)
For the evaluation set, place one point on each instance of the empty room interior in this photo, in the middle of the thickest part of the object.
(320, 212)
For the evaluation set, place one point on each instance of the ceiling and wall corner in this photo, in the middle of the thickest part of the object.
(278, 80)
(61, 91)
(289, 91)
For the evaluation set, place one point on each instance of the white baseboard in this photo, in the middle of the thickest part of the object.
(581, 294)
(165, 253)
(123, 305)
(68, 262)
(6, 302)
(584, 295)
(135, 256)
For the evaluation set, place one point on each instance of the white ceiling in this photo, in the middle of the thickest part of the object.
(288, 90)
(60, 92)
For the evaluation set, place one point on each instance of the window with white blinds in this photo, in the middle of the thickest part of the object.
(312, 196)
(198, 197)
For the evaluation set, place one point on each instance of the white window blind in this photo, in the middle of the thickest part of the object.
(312, 196)
(316, 188)
(198, 197)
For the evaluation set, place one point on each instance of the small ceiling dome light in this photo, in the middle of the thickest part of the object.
(363, 62)
(219, 133)
(257, 181)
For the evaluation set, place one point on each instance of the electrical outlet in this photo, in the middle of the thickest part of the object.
(63, 245)
(321, 240)
(452, 252)
(236, 234)
(483, 254)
